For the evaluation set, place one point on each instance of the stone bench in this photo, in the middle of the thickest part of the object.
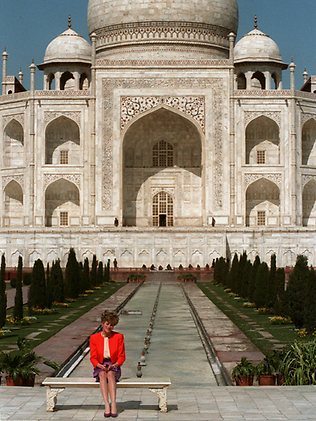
(56, 385)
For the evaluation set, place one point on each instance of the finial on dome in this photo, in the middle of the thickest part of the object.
(69, 21)
(255, 22)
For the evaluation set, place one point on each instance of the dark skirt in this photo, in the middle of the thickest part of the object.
(107, 361)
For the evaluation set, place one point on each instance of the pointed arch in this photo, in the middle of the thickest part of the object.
(162, 147)
(309, 143)
(258, 81)
(309, 204)
(62, 204)
(13, 153)
(262, 203)
(241, 81)
(162, 210)
(62, 133)
(13, 204)
(83, 82)
(67, 81)
(262, 139)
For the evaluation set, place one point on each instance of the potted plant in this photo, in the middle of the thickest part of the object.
(20, 366)
(243, 373)
(265, 372)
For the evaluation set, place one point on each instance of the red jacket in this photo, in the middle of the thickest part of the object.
(116, 347)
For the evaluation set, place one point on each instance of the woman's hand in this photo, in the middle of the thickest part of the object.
(103, 367)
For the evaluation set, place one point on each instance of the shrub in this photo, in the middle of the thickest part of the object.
(300, 363)
(280, 320)
(13, 283)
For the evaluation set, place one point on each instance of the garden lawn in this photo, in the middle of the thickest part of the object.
(48, 325)
(257, 327)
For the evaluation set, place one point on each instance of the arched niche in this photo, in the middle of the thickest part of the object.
(51, 83)
(13, 204)
(262, 139)
(241, 81)
(182, 172)
(67, 81)
(309, 204)
(262, 203)
(62, 199)
(309, 143)
(62, 133)
(258, 81)
(83, 82)
(13, 154)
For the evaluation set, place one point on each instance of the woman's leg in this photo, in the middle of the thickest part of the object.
(112, 391)
(105, 390)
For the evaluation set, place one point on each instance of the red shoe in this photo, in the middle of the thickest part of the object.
(114, 415)
(107, 415)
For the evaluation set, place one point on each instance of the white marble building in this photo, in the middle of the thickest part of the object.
(164, 122)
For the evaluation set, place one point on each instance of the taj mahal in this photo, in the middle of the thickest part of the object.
(160, 140)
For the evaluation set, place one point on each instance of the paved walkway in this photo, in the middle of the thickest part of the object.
(187, 400)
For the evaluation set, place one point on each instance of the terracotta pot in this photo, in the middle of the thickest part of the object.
(244, 381)
(266, 380)
(14, 382)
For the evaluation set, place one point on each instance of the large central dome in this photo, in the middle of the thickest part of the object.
(201, 24)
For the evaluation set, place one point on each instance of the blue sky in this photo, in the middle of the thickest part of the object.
(27, 26)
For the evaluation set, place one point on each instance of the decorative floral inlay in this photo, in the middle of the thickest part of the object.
(73, 178)
(18, 117)
(52, 115)
(131, 106)
(275, 178)
(307, 178)
(7, 178)
(252, 115)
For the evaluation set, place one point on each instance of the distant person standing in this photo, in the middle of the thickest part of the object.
(116, 222)
(107, 354)
(213, 222)
(115, 263)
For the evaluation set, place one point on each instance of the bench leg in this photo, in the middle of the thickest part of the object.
(162, 398)
(51, 398)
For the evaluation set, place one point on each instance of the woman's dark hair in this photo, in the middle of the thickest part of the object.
(110, 317)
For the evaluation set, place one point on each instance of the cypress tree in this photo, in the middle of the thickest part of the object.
(93, 273)
(310, 300)
(37, 291)
(246, 279)
(18, 301)
(233, 274)
(100, 273)
(3, 295)
(252, 283)
(296, 291)
(241, 273)
(57, 279)
(261, 288)
(86, 274)
(271, 282)
(107, 272)
(72, 275)
(49, 287)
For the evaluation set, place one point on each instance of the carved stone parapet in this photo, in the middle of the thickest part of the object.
(252, 115)
(198, 63)
(274, 177)
(52, 115)
(73, 178)
(18, 117)
(193, 106)
(8, 178)
(168, 190)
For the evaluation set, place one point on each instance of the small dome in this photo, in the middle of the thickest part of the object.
(257, 46)
(68, 47)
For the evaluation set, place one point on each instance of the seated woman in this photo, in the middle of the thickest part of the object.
(107, 354)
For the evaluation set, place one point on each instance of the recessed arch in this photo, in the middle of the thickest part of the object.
(162, 210)
(141, 177)
(13, 153)
(13, 204)
(258, 81)
(241, 81)
(67, 81)
(309, 204)
(59, 132)
(83, 82)
(309, 143)
(262, 203)
(262, 134)
(61, 197)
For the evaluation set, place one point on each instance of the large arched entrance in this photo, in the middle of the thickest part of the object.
(162, 154)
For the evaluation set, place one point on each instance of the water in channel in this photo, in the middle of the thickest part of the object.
(175, 349)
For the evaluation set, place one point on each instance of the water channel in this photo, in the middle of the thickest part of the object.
(175, 349)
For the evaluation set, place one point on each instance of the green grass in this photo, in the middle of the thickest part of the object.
(249, 320)
(48, 325)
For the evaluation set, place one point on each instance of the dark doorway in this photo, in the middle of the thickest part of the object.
(162, 220)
